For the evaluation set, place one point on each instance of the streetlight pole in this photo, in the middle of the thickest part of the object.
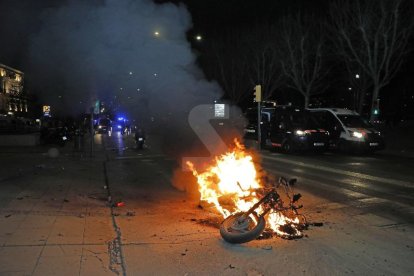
(92, 131)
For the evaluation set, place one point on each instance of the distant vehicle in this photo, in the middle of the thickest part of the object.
(118, 127)
(54, 135)
(11, 124)
(287, 128)
(250, 130)
(348, 130)
(293, 129)
(104, 126)
(121, 125)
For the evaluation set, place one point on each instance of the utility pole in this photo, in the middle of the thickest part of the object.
(92, 131)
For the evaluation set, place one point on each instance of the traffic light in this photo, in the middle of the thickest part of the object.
(375, 109)
(258, 93)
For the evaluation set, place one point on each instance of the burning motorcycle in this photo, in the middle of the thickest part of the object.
(246, 226)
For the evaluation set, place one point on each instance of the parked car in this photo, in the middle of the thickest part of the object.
(54, 135)
(19, 125)
(293, 129)
(349, 132)
(250, 130)
(104, 126)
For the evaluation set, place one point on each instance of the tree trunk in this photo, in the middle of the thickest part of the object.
(306, 101)
(361, 100)
(374, 100)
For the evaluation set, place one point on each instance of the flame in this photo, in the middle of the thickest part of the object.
(230, 184)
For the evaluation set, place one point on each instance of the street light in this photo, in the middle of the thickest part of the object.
(199, 38)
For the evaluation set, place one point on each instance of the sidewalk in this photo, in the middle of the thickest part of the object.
(54, 219)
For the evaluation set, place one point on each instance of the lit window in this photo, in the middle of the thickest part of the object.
(2, 72)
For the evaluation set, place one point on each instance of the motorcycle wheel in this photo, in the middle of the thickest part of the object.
(236, 229)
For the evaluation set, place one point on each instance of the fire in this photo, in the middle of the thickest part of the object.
(231, 185)
(232, 176)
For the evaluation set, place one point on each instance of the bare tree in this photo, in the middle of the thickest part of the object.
(243, 59)
(374, 35)
(302, 53)
(263, 60)
(360, 84)
(228, 65)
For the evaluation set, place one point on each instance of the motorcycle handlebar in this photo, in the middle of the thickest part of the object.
(286, 182)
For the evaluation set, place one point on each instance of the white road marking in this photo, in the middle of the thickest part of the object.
(400, 183)
(354, 196)
(139, 156)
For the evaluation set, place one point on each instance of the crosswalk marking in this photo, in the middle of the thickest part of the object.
(400, 183)
(352, 196)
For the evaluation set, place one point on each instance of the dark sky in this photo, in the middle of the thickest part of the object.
(75, 51)
(22, 19)
(127, 53)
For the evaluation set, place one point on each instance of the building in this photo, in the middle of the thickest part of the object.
(12, 99)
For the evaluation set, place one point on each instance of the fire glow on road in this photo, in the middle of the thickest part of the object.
(230, 184)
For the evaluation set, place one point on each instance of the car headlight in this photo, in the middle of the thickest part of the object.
(99, 126)
(300, 133)
(357, 134)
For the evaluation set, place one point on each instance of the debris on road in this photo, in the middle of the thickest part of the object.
(118, 204)
(318, 224)
(130, 213)
(211, 221)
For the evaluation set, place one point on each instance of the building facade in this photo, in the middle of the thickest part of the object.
(12, 99)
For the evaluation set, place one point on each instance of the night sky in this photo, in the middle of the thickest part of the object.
(74, 52)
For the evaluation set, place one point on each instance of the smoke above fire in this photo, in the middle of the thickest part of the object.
(131, 55)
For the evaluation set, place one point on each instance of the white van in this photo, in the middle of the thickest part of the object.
(348, 130)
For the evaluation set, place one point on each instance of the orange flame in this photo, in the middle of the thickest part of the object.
(229, 184)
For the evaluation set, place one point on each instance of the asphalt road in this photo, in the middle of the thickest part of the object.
(55, 217)
(379, 184)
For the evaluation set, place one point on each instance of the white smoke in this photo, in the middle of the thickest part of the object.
(131, 54)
